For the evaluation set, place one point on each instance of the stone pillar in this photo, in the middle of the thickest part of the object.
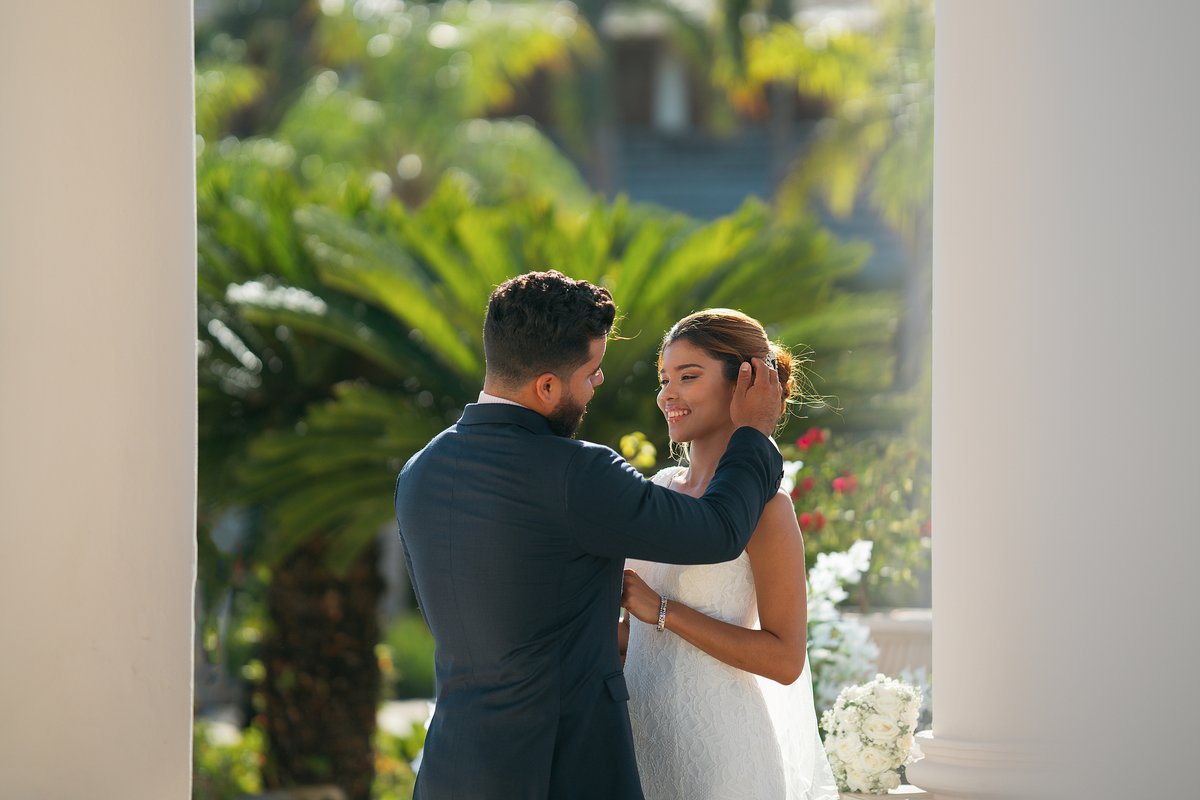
(97, 417)
(1065, 436)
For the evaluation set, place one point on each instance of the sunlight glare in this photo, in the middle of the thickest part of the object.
(409, 167)
(444, 36)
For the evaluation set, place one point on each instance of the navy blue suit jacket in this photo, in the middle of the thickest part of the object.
(515, 541)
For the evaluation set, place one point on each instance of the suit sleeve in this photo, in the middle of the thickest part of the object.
(614, 512)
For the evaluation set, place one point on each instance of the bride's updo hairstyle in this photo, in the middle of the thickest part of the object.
(732, 337)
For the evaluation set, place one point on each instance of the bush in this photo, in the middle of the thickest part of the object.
(227, 762)
(407, 658)
(873, 489)
(394, 776)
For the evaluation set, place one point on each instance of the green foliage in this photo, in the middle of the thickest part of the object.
(394, 777)
(407, 652)
(399, 92)
(880, 133)
(226, 763)
(876, 489)
(349, 331)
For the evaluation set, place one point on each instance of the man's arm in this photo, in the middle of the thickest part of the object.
(613, 511)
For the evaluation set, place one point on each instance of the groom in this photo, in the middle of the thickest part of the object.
(515, 536)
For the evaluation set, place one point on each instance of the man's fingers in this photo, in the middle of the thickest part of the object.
(745, 377)
(760, 372)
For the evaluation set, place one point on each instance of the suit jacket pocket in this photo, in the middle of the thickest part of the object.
(616, 687)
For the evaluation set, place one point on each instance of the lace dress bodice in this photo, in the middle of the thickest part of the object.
(704, 730)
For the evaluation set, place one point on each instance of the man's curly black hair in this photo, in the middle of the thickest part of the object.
(543, 322)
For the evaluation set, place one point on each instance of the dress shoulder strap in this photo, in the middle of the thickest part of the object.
(663, 476)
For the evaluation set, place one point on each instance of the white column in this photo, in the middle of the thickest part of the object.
(97, 411)
(1066, 501)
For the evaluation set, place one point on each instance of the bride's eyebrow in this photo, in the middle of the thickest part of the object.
(682, 366)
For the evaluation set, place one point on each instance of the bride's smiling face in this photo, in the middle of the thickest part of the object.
(694, 394)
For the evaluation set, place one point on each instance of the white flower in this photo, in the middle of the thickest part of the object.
(865, 745)
(873, 759)
(790, 470)
(887, 701)
(879, 728)
(857, 781)
(846, 748)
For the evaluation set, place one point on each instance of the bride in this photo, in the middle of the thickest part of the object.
(721, 697)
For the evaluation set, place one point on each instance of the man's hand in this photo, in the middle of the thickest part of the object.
(757, 398)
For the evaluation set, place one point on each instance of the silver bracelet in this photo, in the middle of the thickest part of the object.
(662, 612)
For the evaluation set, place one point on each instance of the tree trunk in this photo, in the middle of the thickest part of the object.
(322, 677)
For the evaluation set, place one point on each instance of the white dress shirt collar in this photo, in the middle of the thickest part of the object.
(484, 397)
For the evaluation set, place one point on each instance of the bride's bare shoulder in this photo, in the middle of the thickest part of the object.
(778, 524)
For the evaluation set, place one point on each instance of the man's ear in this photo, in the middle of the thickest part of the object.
(548, 389)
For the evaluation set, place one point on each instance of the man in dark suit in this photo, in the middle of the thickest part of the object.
(515, 536)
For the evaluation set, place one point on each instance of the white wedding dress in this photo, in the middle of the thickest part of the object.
(704, 730)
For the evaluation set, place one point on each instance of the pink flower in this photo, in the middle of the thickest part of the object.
(803, 487)
(814, 521)
(845, 484)
(812, 437)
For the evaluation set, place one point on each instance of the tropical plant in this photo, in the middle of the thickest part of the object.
(338, 336)
(339, 328)
(420, 281)
(877, 143)
(376, 98)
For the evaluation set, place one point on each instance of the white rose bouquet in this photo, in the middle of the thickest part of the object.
(869, 734)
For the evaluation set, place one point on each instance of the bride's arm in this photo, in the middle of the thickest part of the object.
(776, 651)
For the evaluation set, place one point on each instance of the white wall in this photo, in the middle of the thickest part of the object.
(1066, 485)
(97, 410)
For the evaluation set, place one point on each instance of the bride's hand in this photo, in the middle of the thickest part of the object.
(639, 599)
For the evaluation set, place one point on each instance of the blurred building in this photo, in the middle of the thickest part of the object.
(670, 147)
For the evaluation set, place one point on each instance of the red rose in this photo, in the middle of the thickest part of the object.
(805, 519)
(812, 436)
(807, 484)
(818, 520)
(845, 484)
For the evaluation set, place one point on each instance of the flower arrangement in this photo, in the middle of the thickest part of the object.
(875, 488)
(840, 650)
(869, 734)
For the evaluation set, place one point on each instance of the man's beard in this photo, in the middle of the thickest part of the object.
(565, 418)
